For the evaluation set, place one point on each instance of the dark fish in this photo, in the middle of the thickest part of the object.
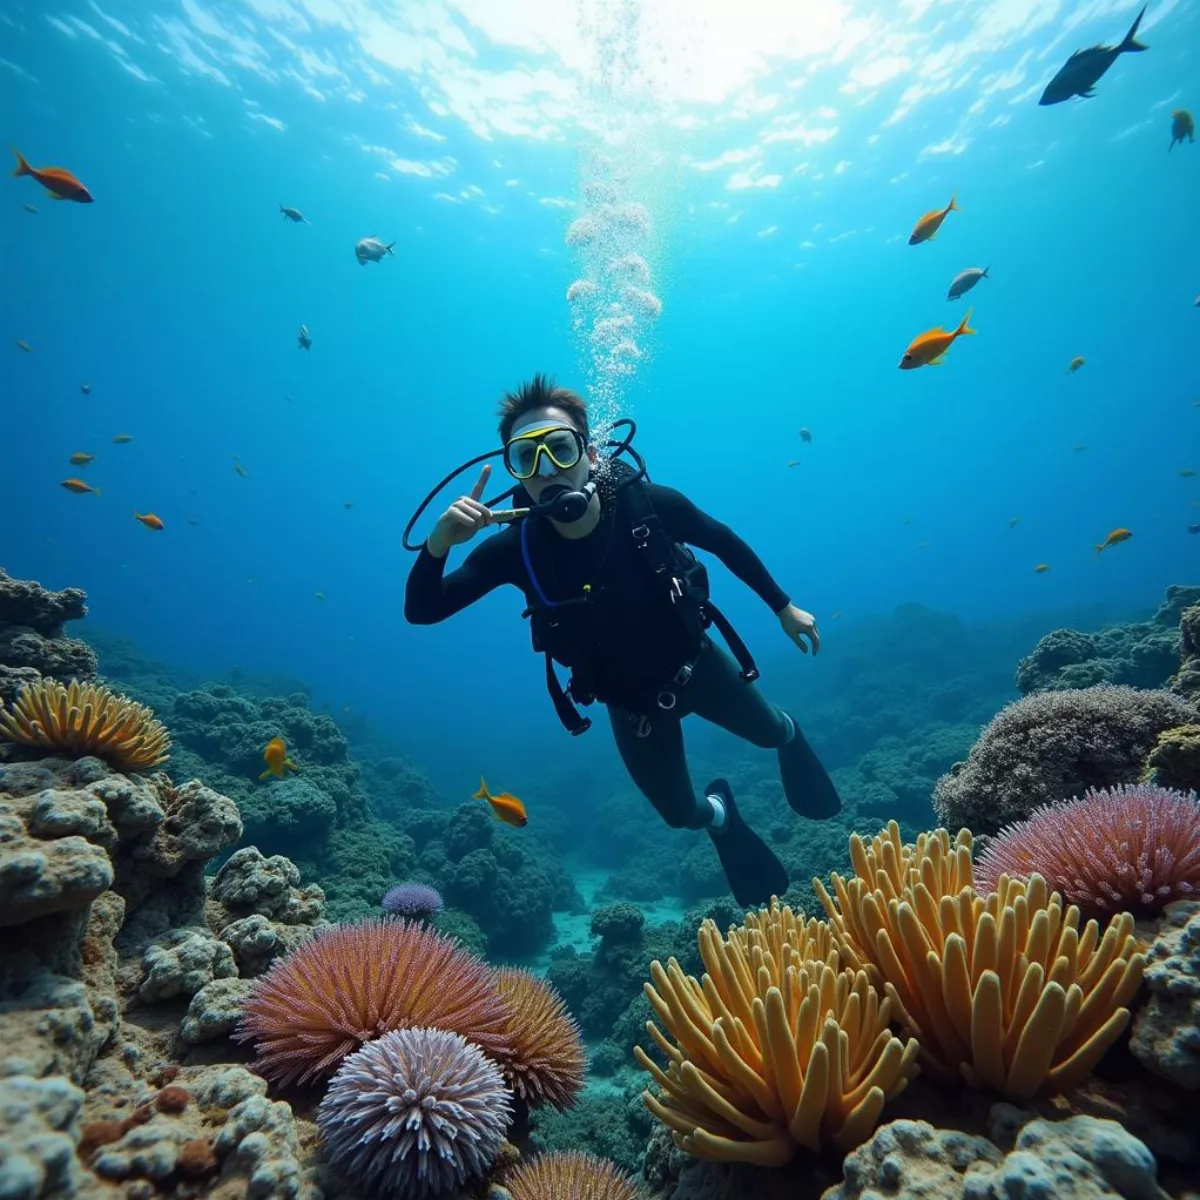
(304, 340)
(1082, 71)
(294, 214)
(1182, 126)
(1194, 529)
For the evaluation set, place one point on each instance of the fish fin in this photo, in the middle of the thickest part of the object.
(22, 167)
(265, 773)
(291, 766)
(964, 327)
(389, 248)
(952, 207)
(940, 361)
(985, 274)
(1087, 93)
(1131, 42)
(482, 794)
(96, 491)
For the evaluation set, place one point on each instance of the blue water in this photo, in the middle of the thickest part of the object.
(178, 297)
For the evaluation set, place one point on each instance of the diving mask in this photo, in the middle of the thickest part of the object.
(543, 450)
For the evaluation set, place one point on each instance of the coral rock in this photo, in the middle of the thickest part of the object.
(256, 942)
(1166, 1033)
(215, 1010)
(182, 963)
(48, 1024)
(39, 877)
(251, 883)
(259, 1142)
(39, 1130)
(1175, 760)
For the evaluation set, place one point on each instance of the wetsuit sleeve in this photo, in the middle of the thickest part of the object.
(686, 523)
(432, 595)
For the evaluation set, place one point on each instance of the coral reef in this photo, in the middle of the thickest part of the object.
(1133, 848)
(779, 1049)
(546, 1063)
(1142, 654)
(415, 1113)
(85, 719)
(32, 643)
(1186, 681)
(1001, 989)
(1166, 1033)
(1052, 746)
(1174, 762)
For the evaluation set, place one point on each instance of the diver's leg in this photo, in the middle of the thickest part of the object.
(717, 693)
(657, 764)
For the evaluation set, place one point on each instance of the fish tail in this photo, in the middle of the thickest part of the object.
(389, 248)
(964, 326)
(265, 773)
(1131, 43)
(22, 167)
(952, 206)
(96, 491)
(985, 274)
(1099, 547)
(482, 794)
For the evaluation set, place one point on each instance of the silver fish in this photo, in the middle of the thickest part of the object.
(294, 214)
(371, 249)
(964, 281)
(303, 338)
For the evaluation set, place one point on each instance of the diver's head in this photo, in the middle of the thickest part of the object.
(545, 433)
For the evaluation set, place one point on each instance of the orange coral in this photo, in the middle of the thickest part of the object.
(547, 1064)
(354, 983)
(86, 719)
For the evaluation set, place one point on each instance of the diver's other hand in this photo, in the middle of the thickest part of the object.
(798, 625)
(462, 520)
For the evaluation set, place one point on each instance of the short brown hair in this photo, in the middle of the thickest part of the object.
(541, 392)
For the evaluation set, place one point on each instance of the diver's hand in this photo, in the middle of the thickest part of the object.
(798, 625)
(462, 520)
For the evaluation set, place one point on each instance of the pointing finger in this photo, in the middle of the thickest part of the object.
(481, 482)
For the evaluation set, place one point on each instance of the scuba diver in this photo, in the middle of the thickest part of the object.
(616, 596)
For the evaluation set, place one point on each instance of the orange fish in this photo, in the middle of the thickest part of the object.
(278, 763)
(506, 807)
(60, 183)
(930, 223)
(79, 487)
(1117, 536)
(79, 459)
(150, 520)
(927, 349)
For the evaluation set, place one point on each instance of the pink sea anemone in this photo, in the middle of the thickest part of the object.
(1132, 848)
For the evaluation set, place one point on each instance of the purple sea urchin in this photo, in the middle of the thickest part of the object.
(416, 901)
(416, 1113)
(1132, 848)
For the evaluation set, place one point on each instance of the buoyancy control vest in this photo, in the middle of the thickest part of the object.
(559, 625)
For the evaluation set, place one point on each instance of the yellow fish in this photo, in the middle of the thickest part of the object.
(929, 348)
(275, 756)
(1117, 536)
(1186, 473)
(122, 438)
(505, 805)
(1041, 568)
(930, 223)
(79, 459)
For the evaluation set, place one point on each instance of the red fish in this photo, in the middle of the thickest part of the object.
(58, 181)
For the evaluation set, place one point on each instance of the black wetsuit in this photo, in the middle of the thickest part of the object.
(639, 643)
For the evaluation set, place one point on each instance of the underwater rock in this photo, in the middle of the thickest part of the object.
(182, 962)
(47, 1023)
(39, 1130)
(215, 1010)
(618, 923)
(1186, 681)
(1166, 1032)
(249, 882)
(1175, 760)
(256, 941)
(1052, 746)
(259, 1141)
(31, 636)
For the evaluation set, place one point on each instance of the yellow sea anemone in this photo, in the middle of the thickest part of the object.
(1002, 989)
(82, 719)
(778, 1047)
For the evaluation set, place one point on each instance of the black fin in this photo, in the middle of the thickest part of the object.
(750, 865)
(1131, 42)
(806, 783)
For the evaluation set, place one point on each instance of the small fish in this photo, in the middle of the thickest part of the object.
(1182, 126)
(275, 755)
(837, 616)
(1194, 528)
(29, 208)
(964, 281)
(1075, 364)
(80, 459)
(1013, 522)
(347, 504)
(371, 249)
(1115, 538)
(1082, 71)
(149, 520)
(237, 466)
(1187, 473)
(922, 545)
(793, 462)
(318, 595)
(304, 340)
(86, 388)
(122, 438)
(506, 807)
(931, 222)
(193, 520)
(1041, 568)
(60, 183)
(79, 487)
(294, 214)
(1079, 447)
(806, 434)
(907, 521)
(930, 347)
(24, 346)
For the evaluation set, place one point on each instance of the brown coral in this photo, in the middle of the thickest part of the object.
(82, 719)
(570, 1176)
(1002, 989)
(354, 983)
(778, 1047)
(547, 1064)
